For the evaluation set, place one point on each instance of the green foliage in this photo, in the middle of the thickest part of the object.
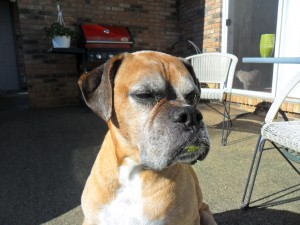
(56, 29)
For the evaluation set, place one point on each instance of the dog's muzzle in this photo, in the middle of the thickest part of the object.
(174, 131)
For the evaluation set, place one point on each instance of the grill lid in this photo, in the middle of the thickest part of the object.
(97, 36)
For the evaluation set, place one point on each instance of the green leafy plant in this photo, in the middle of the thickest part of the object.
(56, 29)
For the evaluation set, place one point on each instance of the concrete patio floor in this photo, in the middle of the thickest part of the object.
(46, 156)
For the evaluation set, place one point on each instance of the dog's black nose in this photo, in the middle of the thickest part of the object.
(189, 115)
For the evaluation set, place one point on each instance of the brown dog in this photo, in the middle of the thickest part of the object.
(142, 174)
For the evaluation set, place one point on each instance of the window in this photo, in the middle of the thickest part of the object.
(243, 23)
(248, 20)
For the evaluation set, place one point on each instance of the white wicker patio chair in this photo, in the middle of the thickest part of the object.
(284, 136)
(218, 69)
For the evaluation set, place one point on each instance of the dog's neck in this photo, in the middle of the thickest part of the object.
(123, 148)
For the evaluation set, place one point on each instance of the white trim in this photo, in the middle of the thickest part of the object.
(289, 44)
(281, 5)
(224, 35)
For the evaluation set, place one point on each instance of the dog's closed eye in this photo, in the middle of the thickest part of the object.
(192, 98)
(146, 97)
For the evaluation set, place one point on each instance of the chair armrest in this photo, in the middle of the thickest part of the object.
(280, 97)
(229, 81)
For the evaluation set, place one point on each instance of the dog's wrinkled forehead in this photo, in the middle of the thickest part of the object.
(160, 74)
(155, 71)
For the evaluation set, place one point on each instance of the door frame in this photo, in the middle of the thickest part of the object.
(17, 79)
(226, 46)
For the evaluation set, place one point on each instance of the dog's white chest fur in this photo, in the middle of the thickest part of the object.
(127, 208)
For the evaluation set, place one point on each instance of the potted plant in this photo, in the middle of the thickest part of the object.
(60, 35)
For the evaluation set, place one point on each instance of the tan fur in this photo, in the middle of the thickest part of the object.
(166, 193)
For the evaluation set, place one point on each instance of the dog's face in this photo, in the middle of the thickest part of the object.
(149, 98)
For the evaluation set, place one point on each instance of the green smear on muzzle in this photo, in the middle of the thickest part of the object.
(192, 148)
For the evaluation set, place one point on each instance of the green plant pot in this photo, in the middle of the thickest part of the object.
(266, 46)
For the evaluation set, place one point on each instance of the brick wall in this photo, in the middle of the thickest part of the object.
(52, 78)
(212, 26)
(201, 22)
(191, 15)
(155, 24)
(251, 104)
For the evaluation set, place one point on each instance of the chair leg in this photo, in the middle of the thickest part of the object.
(286, 158)
(227, 123)
(253, 173)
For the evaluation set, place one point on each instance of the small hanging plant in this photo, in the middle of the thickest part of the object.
(57, 29)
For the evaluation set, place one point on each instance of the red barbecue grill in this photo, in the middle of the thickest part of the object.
(97, 36)
(103, 42)
(98, 43)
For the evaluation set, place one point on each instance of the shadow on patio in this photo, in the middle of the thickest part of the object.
(46, 156)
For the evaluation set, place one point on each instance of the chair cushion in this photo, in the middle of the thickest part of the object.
(211, 94)
(285, 133)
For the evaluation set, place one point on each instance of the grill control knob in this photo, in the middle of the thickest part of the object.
(98, 56)
(91, 57)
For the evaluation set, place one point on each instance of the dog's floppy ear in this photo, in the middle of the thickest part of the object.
(192, 72)
(97, 87)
